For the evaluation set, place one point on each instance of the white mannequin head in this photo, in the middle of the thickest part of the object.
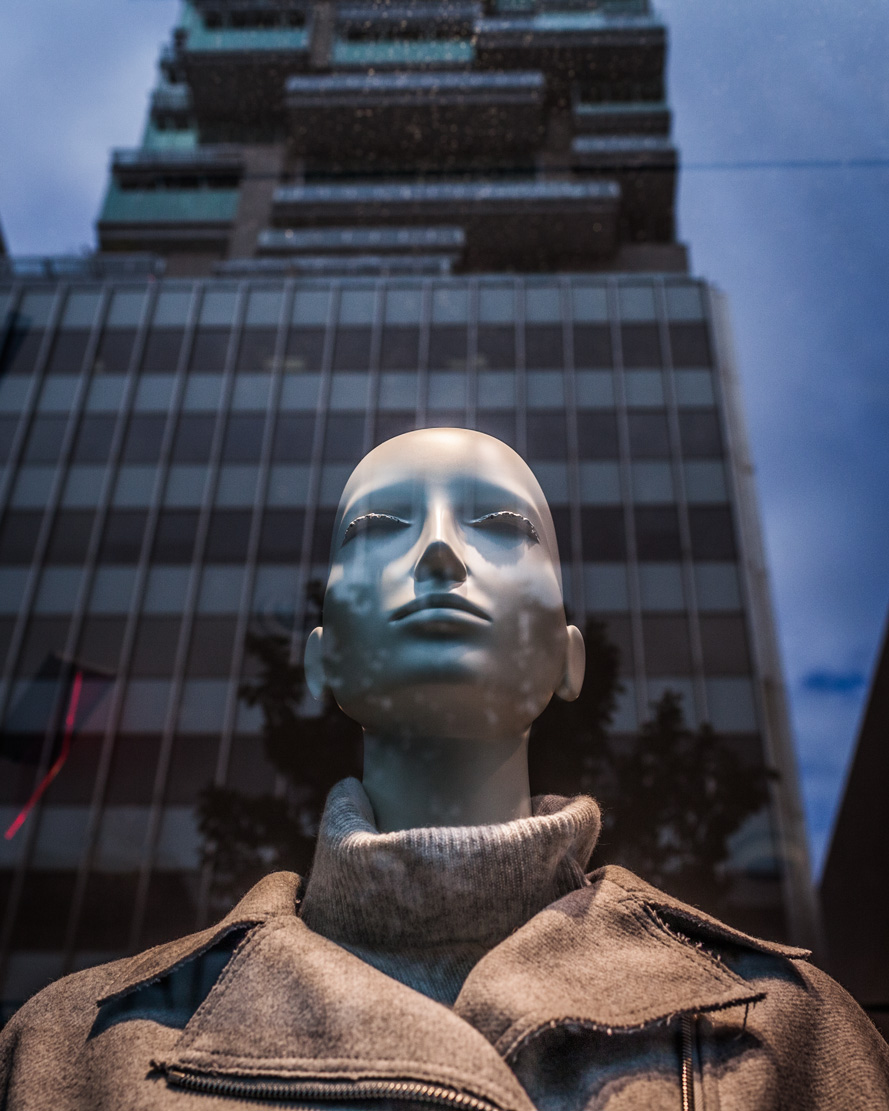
(443, 617)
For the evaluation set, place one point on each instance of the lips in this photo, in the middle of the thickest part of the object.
(439, 602)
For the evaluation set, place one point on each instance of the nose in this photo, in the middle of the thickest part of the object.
(440, 559)
(441, 563)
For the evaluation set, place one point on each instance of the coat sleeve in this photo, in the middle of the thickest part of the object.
(838, 1059)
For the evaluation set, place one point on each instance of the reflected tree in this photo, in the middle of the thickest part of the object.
(310, 749)
(672, 796)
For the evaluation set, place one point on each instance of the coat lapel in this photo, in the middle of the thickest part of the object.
(600, 957)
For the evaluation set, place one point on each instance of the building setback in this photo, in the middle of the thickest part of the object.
(345, 221)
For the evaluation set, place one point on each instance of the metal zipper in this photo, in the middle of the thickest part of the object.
(248, 1088)
(687, 1026)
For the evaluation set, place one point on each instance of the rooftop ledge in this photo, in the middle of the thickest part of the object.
(444, 81)
(606, 192)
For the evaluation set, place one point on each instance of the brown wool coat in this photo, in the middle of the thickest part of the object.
(594, 1003)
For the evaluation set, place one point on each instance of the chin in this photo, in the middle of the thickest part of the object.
(459, 706)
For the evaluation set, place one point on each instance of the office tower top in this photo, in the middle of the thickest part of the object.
(403, 137)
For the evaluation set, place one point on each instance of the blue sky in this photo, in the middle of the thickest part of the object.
(799, 247)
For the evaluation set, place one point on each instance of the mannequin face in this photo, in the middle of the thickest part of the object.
(443, 611)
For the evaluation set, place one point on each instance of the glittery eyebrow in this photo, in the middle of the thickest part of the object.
(359, 523)
(510, 514)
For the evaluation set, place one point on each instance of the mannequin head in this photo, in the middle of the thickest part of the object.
(443, 618)
(443, 606)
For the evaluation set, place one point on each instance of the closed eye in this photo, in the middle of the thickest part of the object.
(371, 520)
(509, 519)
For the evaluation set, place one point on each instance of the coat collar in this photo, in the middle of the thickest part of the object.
(275, 896)
(616, 955)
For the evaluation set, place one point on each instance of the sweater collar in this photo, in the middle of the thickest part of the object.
(444, 886)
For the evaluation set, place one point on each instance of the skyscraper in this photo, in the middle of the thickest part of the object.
(347, 220)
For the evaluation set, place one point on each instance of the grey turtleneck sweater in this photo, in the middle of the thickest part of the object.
(424, 905)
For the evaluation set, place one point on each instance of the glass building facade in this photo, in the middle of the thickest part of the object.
(356, 219)
(174, 454)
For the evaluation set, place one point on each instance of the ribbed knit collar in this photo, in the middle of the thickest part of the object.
(424, 905)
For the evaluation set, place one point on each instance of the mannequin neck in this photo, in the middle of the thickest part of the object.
(442, 781)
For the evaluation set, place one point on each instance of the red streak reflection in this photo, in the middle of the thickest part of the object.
(70, 718)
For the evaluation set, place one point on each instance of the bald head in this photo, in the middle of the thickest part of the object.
(444, 599)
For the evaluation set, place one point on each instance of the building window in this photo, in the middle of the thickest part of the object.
(592, 346)
(228, 535)
(605, 587)
(174, 538)
(660, 586)
(257, 349)
(305, 349)
(19, 353)
(344, 437)
(602, 534)
(644, 389)
(657, 534)
(351, 351)
(154, 651)
(58, 589)
(294, 435)
(597, 434)
(712, 532)
(44, 637)
(281, 536)
(70, 537)
(620, 632)
(667, 649)
(144, 437)
(166, 589)
(18, 536)
(400, 349)
(543, 347)
(114, 351)
(94, 436)
(209, 350)
(447, 347)
(44, 442)
(186, 484)
(641, 345)
(717, 586)
(547, 435)
(101, 639)
(724, 645)
(699, 434)
(162, 350)
(447, 390)
(194, 438)
(68, 351)
(496, 347)
(243, 438)
(211, 649)
(649, 437)
(123, 535)
(690, 344)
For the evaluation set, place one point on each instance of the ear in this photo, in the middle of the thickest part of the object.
(575, 664)
(313, 662)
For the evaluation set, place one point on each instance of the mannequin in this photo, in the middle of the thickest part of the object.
(448, 949)
(444, 630)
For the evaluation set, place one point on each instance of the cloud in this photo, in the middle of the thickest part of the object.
(833, 682)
